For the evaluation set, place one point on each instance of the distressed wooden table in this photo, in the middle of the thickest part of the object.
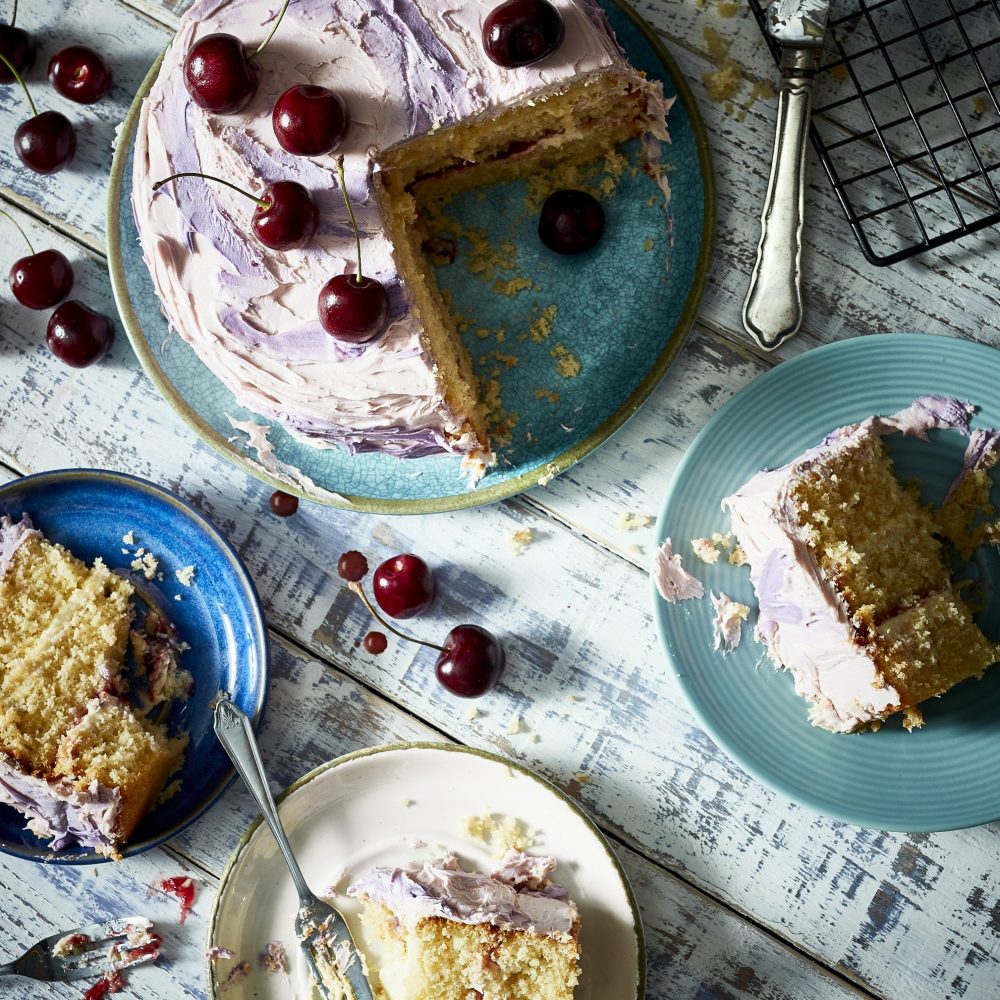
(743, 894)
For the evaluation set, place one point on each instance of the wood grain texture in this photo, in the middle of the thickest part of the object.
(906, 916)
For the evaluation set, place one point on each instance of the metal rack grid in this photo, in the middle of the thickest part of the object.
(905, 119)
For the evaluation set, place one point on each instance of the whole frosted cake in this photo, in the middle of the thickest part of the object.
(449, 934)
(429, 112)
(852, 581)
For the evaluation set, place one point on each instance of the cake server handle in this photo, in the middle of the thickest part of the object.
(236, 736)
(772, 311)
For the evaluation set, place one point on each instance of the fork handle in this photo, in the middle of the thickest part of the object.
(237, 739)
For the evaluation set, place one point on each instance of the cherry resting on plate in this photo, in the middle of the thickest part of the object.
(80, 74)
(285, 217)
(41, 280)
(283, 504)
(521, 32)
(571, 221)
(471, 662)
(353, 309)
(17, 46)
(218, 73)
(78, 335)
(310, 120)
(404, 586)
(46, 142)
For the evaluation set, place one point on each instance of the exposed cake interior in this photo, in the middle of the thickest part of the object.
(75, 758)
(443, 933)
(576, 123)
(853, 586)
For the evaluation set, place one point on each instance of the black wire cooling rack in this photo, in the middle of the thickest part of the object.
(905, 118)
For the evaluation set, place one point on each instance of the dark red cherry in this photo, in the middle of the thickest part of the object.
(41, 280)
(571, 221)
(353, 310)
(309, 120)
(78, 335)
(290, 219)
(471, 662)
(404, 586)
(219, 75)
(352, 566)
(45, 143)
(521, 32)
(376, 642)
(79, 73)
(17, 46)
(283, 504)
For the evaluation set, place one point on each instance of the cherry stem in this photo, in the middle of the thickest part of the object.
(260, 48)
(7, 215)
(350, 212)
(17, 76)
(261, 202)
(360, 591)
(13, 17)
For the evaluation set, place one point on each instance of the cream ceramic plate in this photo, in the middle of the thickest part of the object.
(373, 808)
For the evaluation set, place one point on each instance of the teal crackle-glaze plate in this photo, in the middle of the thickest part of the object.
(945, 776)
(622, 313)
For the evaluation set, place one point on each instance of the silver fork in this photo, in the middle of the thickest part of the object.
(323, 934)
(89, 951)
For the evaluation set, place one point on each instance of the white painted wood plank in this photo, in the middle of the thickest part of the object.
(696, 948)
(575, 620)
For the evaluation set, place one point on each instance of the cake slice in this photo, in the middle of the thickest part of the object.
(853, 588)
(444, 933)
(75, 758)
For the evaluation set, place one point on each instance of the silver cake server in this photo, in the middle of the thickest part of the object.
(323, 934)
(772, 311)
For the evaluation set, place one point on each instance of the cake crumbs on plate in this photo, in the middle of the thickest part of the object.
(145, 563)
(581, 778)
(705, 550)
(519, 541)
(237, 974)
(185, 575)
(129, 538)
(273, 957)
(913, 718)
(407, 803)
(217, 952)
(548, 475)
(738, 557)
(472, 712)
(727, 625)
(500, 833)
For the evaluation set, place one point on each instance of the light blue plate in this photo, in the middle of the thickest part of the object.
(945, 776)
(219, 617)
(623, 312)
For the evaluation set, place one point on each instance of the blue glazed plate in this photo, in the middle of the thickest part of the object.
(623, 311)
(945, 776)
(219, 616)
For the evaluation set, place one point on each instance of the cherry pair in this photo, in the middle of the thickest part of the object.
(471, 659)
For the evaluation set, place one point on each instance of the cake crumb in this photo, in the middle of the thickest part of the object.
(738, 557)
(407, 803)
(237, 974)
(128, 538)
(520, 540)
(705, 550)
(177, 597)
(548, 475)
(273, 957)
(186, 575)
(628, 521)
(500, 833)
(567, 363)
(913, 718)
(472, 713)
(516, 726)
(727, 626)
(218, 952)
(145, 563)
(647, 244)
(581, 778)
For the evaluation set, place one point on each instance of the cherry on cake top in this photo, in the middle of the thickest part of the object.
(521, 32)
(80, 74)
(220, 75)
(285, 217)
(310, 120)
